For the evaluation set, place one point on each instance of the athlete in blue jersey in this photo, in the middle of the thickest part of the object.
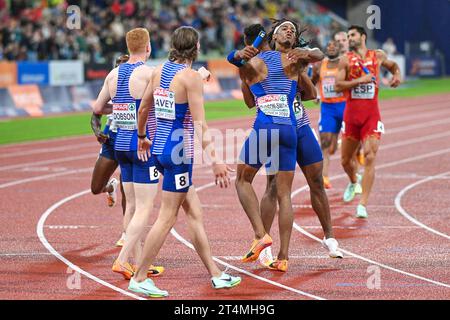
(272, 78)
(175, 95)
(309, 156)
(125, 86)
(106, 162)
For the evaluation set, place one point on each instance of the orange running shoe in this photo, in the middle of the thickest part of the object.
(326, 183)
(126, 269)
(279, 265)
(360, 158)
(256, 248)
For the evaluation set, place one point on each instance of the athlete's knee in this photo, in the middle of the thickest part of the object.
(369, 157)
(325, 142)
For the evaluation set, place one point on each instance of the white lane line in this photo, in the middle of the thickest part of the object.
(58, 160)
(45, 150)
(404, 213)
(386, 165)
(42, 238)
(47, 245)
(47, 176)
(277, 284)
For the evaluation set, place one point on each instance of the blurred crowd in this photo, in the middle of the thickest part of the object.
(36, 30)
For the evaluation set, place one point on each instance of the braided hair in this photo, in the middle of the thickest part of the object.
(299, 41)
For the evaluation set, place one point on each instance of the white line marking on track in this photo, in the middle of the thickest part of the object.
(46, 150)
(404, 213)
(48, 246)
(47, 176)
(386, 165)
(58, 160)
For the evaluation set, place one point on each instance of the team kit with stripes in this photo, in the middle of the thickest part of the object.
(280, 138)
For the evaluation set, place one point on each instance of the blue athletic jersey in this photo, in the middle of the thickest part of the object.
(174, 125)
(275, 95)
(301, 116)
(125, 110)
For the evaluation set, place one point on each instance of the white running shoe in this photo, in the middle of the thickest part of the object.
(225, 281)
(266, 257)
(147, 287)
(112, 196)
(332, 246)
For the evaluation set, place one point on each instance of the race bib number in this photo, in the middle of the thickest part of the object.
(164, 104)
(298, 108)
(328, 88)
(364, 91)
(154, 173)
(275, 105)
(380, 127)
(181, 180)
(124, 116)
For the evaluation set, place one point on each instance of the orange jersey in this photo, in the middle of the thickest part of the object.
(364, 94)
(327, 83)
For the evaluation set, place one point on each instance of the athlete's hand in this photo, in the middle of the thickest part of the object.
(144, 149)
(395, 81)
(204, 73)
(101, 137)
(247, 53)
(367, 78)
(297, 54)
(221, 174)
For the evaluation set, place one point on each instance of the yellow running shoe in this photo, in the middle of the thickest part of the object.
(326, 183)
(153, 271)
(256, 248)
(121, 241)
(279, 265)
(126, 269)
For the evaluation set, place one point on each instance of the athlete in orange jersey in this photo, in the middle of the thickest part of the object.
(358, 77)
(332, 105)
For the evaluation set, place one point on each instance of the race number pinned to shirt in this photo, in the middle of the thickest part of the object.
(328, 84)
(298, 107)
(124, 115)
(364, 91)
(275, 105)
(164, 104)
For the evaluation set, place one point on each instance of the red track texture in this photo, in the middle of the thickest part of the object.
(406, 240)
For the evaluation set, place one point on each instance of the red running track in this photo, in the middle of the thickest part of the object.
(50, 221)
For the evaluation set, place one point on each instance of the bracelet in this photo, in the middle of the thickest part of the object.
(142, 136)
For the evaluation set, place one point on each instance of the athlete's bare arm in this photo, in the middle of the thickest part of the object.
(306, 55)
(342, 83)
(316, 72)
(101, 105)
(391, 66)
(193, 83)
(308, 90)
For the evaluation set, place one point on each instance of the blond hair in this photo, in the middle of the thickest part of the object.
(137, 40)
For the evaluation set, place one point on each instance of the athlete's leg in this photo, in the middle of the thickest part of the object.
(326, 146)
(170, 204)
(269, 203)
(247, 196)
(193, 210)
(285, 217)
(103, 170)
(370, 146)
(124, 198)
(319, 199)
(128, 189)
(348, 150)
(144, 196)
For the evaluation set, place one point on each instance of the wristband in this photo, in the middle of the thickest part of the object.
(142, 136)
(233, 61)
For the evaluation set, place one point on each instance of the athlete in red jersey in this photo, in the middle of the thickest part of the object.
(362, 121)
